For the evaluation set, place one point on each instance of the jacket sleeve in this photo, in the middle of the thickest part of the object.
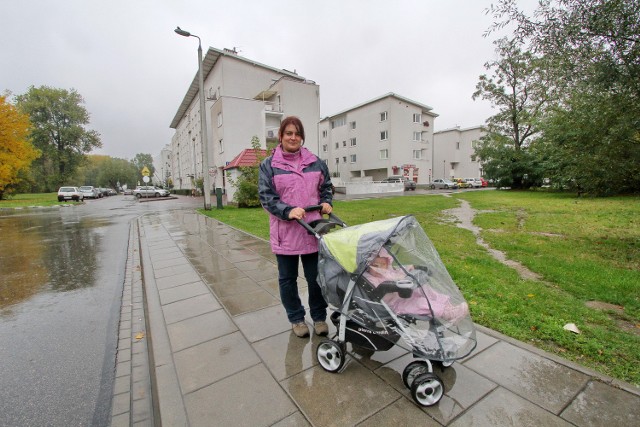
(326, 187)
(269, 198)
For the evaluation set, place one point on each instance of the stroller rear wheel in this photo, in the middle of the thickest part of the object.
(330, 355)
(413, 369)
(427, 389)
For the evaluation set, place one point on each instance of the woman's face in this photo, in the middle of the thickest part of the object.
(291, 139)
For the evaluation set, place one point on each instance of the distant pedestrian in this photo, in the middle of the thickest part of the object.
(290, 180)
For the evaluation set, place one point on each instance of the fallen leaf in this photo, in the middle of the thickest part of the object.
(531, 295)
(139, 335)
(571, 327)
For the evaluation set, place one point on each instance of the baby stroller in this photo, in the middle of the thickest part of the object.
(389, 287)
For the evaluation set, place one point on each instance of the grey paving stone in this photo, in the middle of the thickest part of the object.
(213, 360)
(503, 408)
(177, 280)
(540, 380)
(199, 329)
(249, 398)
(339, 399)
(603, 405)
(184, 309)
(178, 293)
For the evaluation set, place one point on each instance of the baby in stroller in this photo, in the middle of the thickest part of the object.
(422, 300)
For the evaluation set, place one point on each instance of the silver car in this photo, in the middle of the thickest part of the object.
(443, 184)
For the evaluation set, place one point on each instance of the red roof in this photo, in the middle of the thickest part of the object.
(246, 158)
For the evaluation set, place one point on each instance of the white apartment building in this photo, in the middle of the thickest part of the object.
(162, 167)
(388, 135)
(243, 99)
(453, 153)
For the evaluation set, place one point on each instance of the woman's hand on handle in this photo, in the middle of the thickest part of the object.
(326, 208)
(297, 213)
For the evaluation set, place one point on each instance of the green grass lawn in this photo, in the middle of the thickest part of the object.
(37, 199)
(583, 249)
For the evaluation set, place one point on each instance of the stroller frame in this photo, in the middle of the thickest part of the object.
(425, 385)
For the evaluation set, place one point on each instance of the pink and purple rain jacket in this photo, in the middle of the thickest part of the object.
(287, 181)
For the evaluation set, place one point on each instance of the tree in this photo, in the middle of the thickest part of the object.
(591, 138)
(114, 170)
(520, 91)
(142, 160)
(16, 152)
(58, 119)
(247, 183)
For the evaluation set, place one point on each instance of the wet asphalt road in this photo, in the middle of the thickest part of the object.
(60, 292)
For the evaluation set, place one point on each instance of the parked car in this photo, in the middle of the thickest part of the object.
(484, 182)
(149, 191)
(89, 192)
(112, 192)
(127, 191)
(461, 183)
(408, 184)
(473, 182)
(104, 192)
(70, 193)
(443, 184)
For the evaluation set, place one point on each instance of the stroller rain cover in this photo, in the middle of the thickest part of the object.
(428, 313)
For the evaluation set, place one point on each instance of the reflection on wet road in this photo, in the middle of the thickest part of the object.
(60, 294)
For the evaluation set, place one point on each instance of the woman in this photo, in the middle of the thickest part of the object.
(291, 179)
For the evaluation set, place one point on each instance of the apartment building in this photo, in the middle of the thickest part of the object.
(388, 135)
(453, 151)
(162, 167)
(243, 99)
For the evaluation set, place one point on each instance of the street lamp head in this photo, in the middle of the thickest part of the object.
(182, 32)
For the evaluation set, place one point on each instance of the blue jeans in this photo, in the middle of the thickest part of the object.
(287, 279)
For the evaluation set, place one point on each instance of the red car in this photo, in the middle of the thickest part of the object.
(484, 182)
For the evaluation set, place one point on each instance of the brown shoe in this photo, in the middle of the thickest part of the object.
(300, 329)
(321, 328)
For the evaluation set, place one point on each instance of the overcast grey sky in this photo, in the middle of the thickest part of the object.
(131, 68)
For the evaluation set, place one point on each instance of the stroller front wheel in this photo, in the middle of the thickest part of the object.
(427, 389)
(330, 355)
(412, 370)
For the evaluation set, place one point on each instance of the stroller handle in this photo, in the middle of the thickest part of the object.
(321, 226)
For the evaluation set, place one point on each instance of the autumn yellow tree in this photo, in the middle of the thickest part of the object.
(16, 152)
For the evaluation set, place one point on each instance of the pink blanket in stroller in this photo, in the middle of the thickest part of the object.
(382, 270)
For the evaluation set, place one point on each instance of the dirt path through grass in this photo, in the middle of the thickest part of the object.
(463, 218)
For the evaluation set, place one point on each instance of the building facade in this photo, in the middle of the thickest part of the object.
(162, 167)
(243, 99)
(453, 153)
(388, 135)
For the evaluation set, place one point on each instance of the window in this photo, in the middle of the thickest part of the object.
(417, 154)
(324, 133)
(383, 116)
(219, 119)
(344, 143)
(221, 146)
(337, 160)
(417, 118)
(384, 135)
(353, 158)
(458, 145)
(338, 122)
(384, 154)
(352, 125)
(417, 136)
(352, 142)
(325, 148)
(337, 145)
(344, 159)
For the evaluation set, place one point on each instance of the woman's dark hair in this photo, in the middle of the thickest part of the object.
(291, 120)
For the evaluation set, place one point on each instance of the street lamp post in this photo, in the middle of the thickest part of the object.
(203, 122)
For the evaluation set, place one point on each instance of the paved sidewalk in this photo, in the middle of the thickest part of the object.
(221, 353)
